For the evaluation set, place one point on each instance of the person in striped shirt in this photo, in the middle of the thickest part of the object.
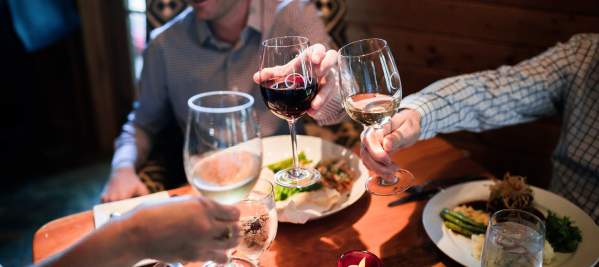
(562, 80)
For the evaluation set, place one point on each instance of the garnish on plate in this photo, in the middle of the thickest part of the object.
(286, 163)
(561, 233)
(510, 193)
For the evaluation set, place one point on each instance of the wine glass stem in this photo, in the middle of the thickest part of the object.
(293, 146)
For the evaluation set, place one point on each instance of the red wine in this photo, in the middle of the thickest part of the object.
(289, 99)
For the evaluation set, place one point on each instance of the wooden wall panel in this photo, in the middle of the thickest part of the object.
(473, 19)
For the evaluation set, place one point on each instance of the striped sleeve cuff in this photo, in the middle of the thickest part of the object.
(332, 111)
(425, 105)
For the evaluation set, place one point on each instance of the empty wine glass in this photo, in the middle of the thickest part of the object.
(258, 223)
(371, 90)
(223, 150)
(288, 87)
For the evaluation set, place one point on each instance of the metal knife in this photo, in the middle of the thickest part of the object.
(429, 189)
(415, 197)
(445, 182)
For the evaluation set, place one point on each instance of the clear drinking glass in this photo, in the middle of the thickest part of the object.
(371, 90)
(288, 87)
(258, 222)
(514, 238)
(223, 150)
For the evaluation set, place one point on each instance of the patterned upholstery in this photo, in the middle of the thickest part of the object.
(159, 12)
(333, 13)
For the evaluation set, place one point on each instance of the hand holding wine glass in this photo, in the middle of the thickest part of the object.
(288, 81)
(323, 62)
(371, 90)
(402, 130)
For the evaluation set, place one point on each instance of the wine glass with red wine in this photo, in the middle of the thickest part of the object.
(288, 87)
(371, 90)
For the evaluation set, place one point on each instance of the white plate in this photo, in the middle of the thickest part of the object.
(278, 147)
(458, 247)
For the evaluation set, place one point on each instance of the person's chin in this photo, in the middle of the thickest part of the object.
(201, 15)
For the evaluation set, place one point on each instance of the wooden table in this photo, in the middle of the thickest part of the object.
(395, 234)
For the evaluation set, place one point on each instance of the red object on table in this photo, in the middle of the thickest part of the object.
(395, 234)
(354, 257)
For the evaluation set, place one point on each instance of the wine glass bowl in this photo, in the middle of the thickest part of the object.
(371, 89)
(223, 150)
(258, 222)
(288, 86)
(370, 83)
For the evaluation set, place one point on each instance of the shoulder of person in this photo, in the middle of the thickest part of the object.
(584, 39)
(286, 6)
(173, 28)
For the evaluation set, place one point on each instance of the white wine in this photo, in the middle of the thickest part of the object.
(371, 109)
(226, 176)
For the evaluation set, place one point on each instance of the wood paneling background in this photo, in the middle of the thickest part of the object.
(434, 39)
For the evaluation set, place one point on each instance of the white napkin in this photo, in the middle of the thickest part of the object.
(304, 206)
(102, 212)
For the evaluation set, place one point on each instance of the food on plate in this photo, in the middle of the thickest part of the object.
(336, 174)
(471, 219)
(282, 193)
(510, 193)
(548, 253)
(461, 223)
(300, 204)
(478, 241)
(478, 216)
(563, 236)
(288, 162)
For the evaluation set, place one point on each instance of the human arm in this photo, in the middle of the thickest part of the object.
(187, 228)
(151, 114)
(303, 19)
(486, 100)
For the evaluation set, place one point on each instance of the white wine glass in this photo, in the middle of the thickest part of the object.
(258, 223)
(223, 150)
(370, 87)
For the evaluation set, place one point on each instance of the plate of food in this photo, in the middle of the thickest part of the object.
(456, 218)
(343, 177)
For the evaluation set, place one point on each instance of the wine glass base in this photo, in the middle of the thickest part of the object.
(377, 186)
(297, 178)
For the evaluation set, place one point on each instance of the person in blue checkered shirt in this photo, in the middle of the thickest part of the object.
(562, 80)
